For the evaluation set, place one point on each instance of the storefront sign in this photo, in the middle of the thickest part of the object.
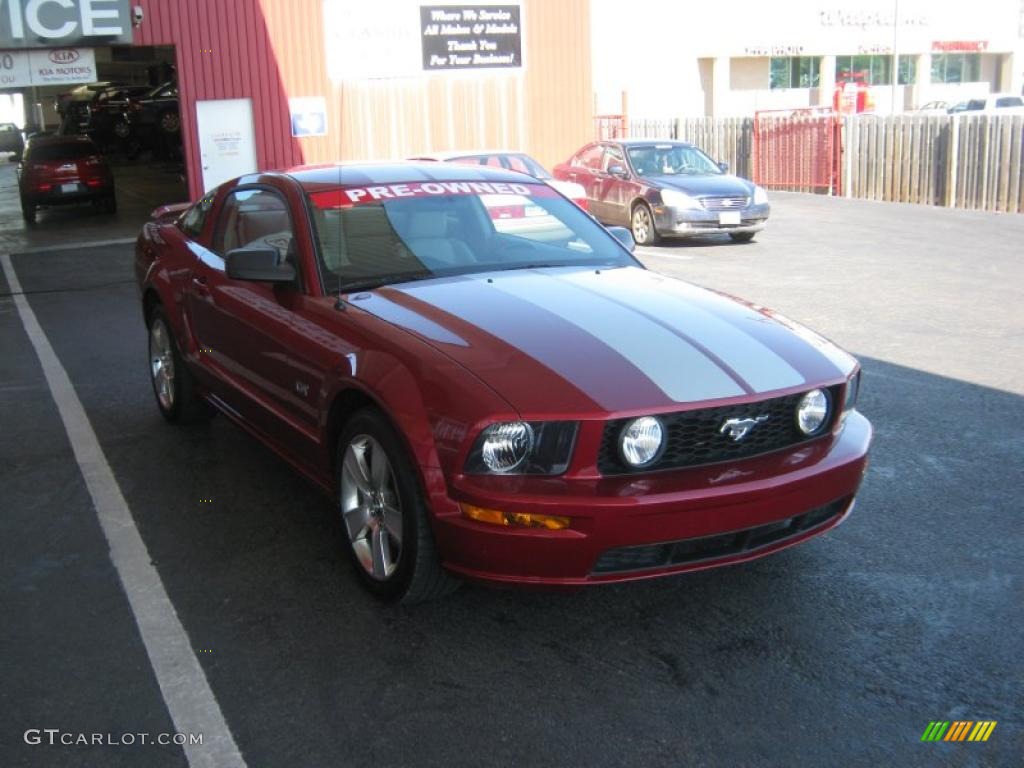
(403, 38)
(309, 116)
(57, 66)
(46, 23)
(475, 37)
(960, 46)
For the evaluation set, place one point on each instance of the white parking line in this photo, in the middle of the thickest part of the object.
(191, 703)
(76, 246)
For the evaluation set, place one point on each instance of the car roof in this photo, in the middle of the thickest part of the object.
(42, 141)
(453, 154)
(648, 142)
(359, 174)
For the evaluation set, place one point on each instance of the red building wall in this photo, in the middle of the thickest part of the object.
(224, 51)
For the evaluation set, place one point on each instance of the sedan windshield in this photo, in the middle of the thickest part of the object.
(671, 159)
(372, 236)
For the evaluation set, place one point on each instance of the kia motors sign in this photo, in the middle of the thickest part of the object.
(58, 66)
(50, 23)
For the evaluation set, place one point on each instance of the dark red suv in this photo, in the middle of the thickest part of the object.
(58, 170)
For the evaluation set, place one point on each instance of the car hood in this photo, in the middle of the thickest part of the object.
(715, 184)
(573, 341)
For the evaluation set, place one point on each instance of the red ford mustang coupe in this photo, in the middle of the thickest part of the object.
(488, 404)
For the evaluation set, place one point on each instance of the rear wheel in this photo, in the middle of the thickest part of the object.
(642, 225)
(384, 515)
(109, 203)
(170, 122)
(28, 211)
(742, 237)
(176, 394)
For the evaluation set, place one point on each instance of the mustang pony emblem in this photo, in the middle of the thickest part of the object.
(737, 429)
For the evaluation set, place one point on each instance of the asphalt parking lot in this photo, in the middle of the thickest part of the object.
(837, 652)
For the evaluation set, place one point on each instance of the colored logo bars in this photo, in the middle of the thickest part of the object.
(959, 730)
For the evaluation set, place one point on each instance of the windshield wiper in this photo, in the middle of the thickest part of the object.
(377, 281)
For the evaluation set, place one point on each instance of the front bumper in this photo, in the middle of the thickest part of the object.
(647, 525)
(691, 222)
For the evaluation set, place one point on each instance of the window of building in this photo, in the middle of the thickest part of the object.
(956, 67)
(795, 71)
(875, 70)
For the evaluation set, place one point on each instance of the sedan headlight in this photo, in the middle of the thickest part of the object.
(523, 448)
(641, 441)
(760, 196)
(673, 198)
(812, 412)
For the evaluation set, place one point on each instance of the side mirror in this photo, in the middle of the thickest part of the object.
(723, 167)
(624, 236)
(259, 263)
(618, 171)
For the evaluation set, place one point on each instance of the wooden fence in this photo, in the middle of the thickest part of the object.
(962, 161)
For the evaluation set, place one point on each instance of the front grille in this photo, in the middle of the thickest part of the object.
(744, 541)
(694, 437)
(724, 203)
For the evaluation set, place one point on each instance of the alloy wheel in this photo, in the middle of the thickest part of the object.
(642, 225)
(370, 507)
(161, 363)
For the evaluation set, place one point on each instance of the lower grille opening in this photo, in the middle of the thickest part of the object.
(720, 545)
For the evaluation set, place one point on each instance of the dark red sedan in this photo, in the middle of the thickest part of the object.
(505, 407)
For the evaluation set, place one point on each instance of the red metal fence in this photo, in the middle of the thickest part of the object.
(799, 150)
(607, 127)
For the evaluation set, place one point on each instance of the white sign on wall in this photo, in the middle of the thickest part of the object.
(56, 66)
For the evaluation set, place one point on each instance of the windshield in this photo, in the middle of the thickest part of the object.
(670, 159)
(372, 236)
(61, 152)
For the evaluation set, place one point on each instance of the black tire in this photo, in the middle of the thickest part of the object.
(417, 575)
(169, 122)
(28, 212)
(186, 405)
(641, 224)
(109, 203)
(742, 237)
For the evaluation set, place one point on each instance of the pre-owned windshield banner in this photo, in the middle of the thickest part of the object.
(336, 198)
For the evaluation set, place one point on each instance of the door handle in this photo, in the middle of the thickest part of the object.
(200, 286)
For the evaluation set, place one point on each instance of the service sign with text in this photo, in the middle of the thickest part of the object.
(471, 37)
(55, 66)
(52, 23)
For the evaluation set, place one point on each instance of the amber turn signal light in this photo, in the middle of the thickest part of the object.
(517, 519)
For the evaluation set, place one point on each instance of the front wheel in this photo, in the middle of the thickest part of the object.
(742, 237)
(176, 394)
(28, 212)
(384, 515)
(642, 225)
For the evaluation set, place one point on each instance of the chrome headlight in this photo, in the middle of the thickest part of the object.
(812, 412)
(523, 448)
(673, 198)
(760, 196)
(641, 441)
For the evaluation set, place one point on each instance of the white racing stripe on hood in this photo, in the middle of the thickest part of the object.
(676, 367)
(760, 367)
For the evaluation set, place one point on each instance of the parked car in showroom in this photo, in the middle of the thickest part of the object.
(106, 122)
(11, 140)
(504, 408)
(154, 115)
(665, 189)
(62, 170)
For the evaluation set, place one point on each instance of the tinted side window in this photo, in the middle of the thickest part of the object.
(613, 156)
(591, 157)
(194, 220)
(1010, 101)
(254, 217)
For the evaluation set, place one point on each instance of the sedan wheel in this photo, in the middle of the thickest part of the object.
(161, 363)
(371, 508)
(170, 122)
(643, 225)
(122, 129)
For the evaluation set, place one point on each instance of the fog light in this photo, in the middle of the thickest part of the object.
(812, 412)
(641, 441)
(514, 519)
